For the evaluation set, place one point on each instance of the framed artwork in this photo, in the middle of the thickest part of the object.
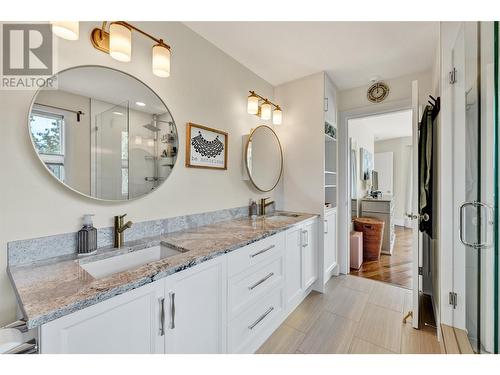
(205, 147)
(366, 163)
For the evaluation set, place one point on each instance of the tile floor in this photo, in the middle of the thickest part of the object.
(355, 315)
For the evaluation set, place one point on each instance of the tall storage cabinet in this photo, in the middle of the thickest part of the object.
(310, 175)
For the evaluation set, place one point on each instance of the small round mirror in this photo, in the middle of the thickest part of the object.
(103, 133)
(264, 158)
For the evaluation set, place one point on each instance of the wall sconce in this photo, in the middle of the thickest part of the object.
(265, 110)
(117, 42)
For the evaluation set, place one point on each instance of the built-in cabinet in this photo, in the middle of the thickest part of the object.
(129, 323)
(195, 313)
(230, 304)
(330, 242)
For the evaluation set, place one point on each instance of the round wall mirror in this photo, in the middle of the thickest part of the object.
(103, 133)
(264, 158)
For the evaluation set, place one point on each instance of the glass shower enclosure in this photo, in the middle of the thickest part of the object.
(474, 84)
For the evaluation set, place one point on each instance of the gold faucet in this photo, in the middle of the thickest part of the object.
(119, 229)
(264, 204)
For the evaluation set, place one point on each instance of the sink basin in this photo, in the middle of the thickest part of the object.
(281, 216)
(119, 263)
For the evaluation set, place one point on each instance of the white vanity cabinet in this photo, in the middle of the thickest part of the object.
(229, 304)
(183, 313)
(309, 243)
(128, 323)
(195, 309)
(330, 243)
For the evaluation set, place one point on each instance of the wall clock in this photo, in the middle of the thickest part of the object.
(378, 92)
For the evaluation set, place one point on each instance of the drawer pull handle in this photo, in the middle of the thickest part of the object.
(261, 318)
(261, 281)
(171, 296)
(162, 316)
(262, 251)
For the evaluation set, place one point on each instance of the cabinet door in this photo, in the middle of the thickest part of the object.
(330, 233)
(293, 267)
(309, 255)
(195, 303)
(330, 104)
(128, 323)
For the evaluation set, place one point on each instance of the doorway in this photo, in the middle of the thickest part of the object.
(381, 150)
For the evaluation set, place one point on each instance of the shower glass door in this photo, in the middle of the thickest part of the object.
(475, 190)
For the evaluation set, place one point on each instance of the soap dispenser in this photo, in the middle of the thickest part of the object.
(86, 241)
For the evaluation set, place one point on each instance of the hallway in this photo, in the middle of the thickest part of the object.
(355, 316)
(393, 269)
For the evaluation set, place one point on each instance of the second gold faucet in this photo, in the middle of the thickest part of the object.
(119, 229)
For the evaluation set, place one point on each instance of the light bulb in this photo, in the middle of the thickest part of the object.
(161, 60)
(277, 116)
(120, 42)
(265, 111)
(66, 29)
(253, 104)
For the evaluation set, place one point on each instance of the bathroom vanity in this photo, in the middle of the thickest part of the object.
(219, 288)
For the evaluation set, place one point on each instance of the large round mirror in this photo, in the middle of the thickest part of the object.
(103, 133)
(264, 158)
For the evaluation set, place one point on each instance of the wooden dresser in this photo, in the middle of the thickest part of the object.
(383, 209)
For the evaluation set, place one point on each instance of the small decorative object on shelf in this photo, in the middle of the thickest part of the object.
(205, 147)
(330, 130)
(86, 241)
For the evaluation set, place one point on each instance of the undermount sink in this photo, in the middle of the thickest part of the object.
(281, 216)
(124, 262)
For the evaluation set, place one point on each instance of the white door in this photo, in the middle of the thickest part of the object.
(126, 324)
(293, 267)
(384, 165)
(309, 255)
(414, 215)
(195, 304)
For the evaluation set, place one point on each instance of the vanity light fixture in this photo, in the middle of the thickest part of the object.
(277, 116)
(265, 111)
(66, 29)
(263, 107)
(120, 42)
(117, 41)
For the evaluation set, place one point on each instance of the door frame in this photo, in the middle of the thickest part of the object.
(344, 172)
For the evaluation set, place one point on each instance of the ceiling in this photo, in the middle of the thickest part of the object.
(111, 86)
(350, 52)
(386, 126)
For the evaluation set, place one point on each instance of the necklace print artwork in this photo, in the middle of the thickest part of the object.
(209, 149)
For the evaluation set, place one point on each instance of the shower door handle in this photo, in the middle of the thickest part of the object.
(482, 206)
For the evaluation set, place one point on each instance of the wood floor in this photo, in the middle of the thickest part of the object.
(355, 315)
(396, 268)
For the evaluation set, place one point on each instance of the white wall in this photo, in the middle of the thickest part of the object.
(362, 137)
(400, 89)
(206, 87)
(302, 132)
(401, 149)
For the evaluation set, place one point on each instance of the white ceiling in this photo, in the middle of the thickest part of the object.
(350, 52)
(386, 126)
(111, 86)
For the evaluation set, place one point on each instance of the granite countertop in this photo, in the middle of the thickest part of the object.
(49, 289)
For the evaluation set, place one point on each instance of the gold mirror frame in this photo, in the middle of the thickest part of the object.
(246, 158)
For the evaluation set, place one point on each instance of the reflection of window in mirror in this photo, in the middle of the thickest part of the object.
(47, 131)
(124, 152)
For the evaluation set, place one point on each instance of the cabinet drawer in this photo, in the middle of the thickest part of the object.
(374, 206)
(255, 322)
(257, 281)
(246, 257)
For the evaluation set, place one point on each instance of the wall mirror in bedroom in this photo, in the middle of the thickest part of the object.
(103, 133)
